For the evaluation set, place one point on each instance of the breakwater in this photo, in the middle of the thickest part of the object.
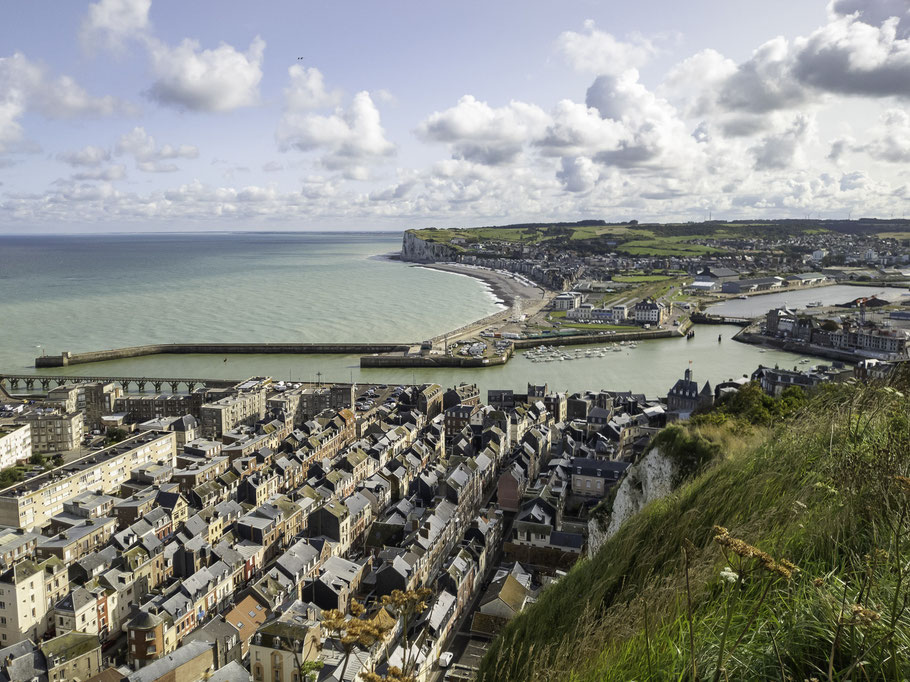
(66, 358)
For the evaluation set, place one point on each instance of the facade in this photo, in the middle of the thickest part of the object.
(224, 414)
(54, 431)
(594, 477)
(649, 312)
(28, 592)
(15, 444)
(271, 657)
(98, 399)
(73, 656)
(142, 408)
(16, 545)
(32, 503)
(567, 301)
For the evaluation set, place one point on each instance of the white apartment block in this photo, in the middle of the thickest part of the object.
(28, 593)
(15, 444)
(32, 502)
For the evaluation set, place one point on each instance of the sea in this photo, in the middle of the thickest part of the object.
(93, 292)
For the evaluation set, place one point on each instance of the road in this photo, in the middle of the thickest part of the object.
(468, 649)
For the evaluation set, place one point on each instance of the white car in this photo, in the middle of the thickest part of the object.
(445, 660)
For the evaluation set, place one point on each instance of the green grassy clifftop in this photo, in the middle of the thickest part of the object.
(786, 558)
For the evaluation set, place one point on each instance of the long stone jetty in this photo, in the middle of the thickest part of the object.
(66, 358)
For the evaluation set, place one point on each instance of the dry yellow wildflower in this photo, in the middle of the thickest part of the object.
(861, 616)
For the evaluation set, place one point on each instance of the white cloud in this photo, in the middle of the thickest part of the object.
(109, 174)
(890, 140)
(839, 149)
(26, 84)
(221, 79)
(148, 155)
(653, 133)
(577, 129)
(484, 134)
(694, 82)
(852, 57)
(598, 52)
(306, 90)
(90, 156)
(782, 150)
(763, 83)
(578, 174)
(11, 110)
(348, 138)
(113, 21)
(854, 180)
(874, 12)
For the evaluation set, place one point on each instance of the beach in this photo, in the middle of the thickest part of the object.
(505, 287)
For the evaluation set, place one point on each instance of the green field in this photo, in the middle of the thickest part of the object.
(668, 246)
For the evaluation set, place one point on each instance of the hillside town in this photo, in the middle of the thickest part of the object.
(250, 532)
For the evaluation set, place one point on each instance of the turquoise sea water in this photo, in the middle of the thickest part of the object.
(83, 293)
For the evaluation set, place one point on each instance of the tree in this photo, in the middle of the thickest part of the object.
(58, 460)
(37, 459)
(114, 435)
(354, 631)
(308, 669)
(407, 606)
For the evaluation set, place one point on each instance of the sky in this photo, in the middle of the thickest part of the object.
(145, 115)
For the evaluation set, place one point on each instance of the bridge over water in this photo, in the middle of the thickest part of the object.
(12, 382)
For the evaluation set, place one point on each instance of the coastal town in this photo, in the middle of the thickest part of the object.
(285, 531)
(218, 534)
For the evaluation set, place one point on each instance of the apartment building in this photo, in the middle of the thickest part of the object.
(98, 399)
(16, 545)
(28, 592)
(246, 407)
(54, 431)
(141, 408)
(15, 444)
(31, 503)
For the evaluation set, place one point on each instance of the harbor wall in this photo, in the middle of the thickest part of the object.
(66, 358)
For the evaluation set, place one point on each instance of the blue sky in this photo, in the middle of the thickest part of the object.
(144, 115)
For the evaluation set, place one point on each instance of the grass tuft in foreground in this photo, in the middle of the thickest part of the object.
(785, 559)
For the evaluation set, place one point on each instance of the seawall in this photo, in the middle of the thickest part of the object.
(66, 358)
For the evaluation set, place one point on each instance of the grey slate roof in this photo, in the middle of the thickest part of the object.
(157, 669)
